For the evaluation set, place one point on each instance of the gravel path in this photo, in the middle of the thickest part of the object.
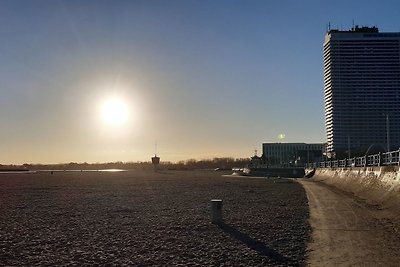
(141, 218)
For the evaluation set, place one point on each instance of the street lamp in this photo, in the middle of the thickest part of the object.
(387, 132)
(348, 146)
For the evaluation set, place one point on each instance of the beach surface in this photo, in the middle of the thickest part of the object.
(143, 218)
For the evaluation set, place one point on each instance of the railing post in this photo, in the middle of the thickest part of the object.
(398, 157)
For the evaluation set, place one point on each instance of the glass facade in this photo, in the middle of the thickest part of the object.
(362, 90)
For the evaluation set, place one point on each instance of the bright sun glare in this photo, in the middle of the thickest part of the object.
(114, 111)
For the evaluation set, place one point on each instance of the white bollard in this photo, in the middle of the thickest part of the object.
(216, 211)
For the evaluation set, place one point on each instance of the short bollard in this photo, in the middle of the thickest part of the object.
(216, 211)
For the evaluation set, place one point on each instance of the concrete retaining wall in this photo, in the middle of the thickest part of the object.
(376, 185)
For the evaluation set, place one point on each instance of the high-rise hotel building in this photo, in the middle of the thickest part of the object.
(362, 90)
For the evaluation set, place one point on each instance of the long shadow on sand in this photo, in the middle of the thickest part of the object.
(253, 244)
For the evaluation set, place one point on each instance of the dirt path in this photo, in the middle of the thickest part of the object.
(347, 232)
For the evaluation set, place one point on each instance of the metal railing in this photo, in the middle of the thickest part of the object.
(380, 159)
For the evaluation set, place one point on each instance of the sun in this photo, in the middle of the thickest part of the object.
(114, 111)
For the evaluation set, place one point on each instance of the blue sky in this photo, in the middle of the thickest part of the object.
(202, 78)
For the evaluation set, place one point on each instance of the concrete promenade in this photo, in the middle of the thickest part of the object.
(378, 185)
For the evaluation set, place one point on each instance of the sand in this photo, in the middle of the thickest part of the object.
(140, 218)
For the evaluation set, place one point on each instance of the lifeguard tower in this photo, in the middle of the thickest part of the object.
(155, 160)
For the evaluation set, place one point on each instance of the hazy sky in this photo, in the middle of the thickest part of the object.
(202, 78)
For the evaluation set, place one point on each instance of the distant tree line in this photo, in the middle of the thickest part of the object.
(191, 164)
(221, 163)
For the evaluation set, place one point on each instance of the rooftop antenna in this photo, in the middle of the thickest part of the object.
(353, 25)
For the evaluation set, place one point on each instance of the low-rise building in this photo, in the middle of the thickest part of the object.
(291, 154)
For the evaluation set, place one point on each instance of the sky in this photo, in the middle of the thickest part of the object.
(199, 78)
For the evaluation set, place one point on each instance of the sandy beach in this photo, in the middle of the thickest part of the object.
(143, 218)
